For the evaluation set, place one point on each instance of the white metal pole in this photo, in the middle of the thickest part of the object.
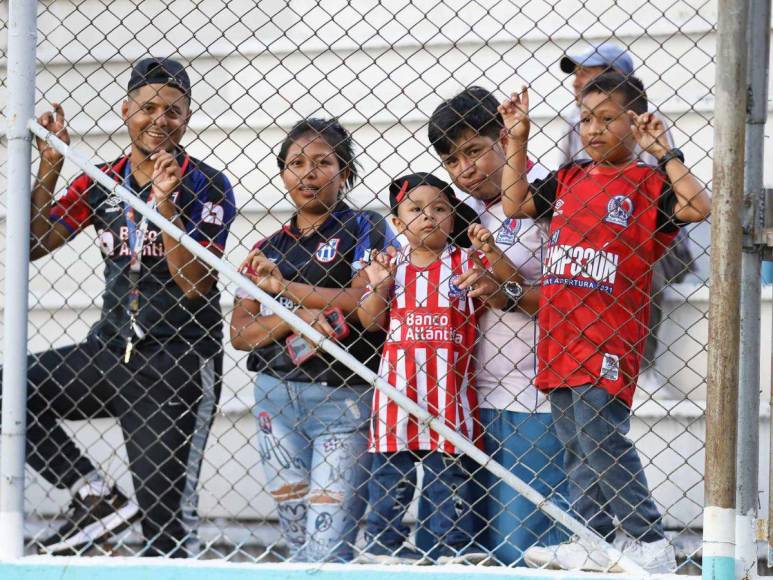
(22, 41)
(228, 271)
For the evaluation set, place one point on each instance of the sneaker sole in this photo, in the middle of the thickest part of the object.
(389, 560)
(472, 560)
(117, 521)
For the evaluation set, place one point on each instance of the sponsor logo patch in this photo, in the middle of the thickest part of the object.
(558, 208)
(610, 367)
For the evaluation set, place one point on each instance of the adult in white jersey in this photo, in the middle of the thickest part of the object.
(466, 132)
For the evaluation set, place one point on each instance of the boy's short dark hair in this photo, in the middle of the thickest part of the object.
(474, 109)
(629, 87)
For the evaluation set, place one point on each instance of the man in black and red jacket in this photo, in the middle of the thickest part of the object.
(154, 359)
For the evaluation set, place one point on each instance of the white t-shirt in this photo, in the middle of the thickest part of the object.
(506, 359)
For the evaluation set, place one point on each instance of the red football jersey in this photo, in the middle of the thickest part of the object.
(609, 226)
(427, 355)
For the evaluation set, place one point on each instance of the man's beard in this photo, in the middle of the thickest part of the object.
(166, 146)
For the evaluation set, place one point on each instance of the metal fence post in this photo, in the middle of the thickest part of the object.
(22, 39)
(749, 378)
(721, 404)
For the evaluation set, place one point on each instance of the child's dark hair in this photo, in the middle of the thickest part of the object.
(334, 134)
(474, 109)
(629, 87)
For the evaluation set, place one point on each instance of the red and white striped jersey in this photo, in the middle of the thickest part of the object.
(428, 355)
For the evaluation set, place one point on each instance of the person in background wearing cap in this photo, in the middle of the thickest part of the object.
(154, 358)
(429, 297)
(678, 260)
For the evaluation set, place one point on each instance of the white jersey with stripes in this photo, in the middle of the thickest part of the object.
(427, 355)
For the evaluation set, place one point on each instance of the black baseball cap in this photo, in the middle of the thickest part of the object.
(162, 71)
(464, 215)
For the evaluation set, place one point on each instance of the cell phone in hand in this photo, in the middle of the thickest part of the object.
(299, 349)
(335, 318)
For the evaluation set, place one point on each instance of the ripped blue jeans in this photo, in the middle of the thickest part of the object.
(312, 441)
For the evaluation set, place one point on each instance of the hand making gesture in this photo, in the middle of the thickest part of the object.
(515, 114)
(650, 134)
(263, 272)
(482, 239)
(166, 177)
(54, 122)
(381, 269)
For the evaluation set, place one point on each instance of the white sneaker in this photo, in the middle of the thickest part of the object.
(572, 555)
(467, 559)
(655, 557)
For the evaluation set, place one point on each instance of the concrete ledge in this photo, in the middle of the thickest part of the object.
(60, 568)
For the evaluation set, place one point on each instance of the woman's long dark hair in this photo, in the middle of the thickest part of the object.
(334, 134)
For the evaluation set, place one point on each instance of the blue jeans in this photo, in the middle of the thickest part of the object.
(391, 489)
(312, 441)
(602, 465)
(527, 446)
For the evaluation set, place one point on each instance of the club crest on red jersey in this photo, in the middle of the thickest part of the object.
(326, 251)
(619, 210)
(508, 233)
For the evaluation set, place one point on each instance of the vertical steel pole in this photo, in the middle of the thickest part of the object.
(724, 323)
(22, 40)
(753, 221)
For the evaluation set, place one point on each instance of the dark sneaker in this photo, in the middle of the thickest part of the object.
(90, 520)
(375, 553)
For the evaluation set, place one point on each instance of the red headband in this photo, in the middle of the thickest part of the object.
(403, 190)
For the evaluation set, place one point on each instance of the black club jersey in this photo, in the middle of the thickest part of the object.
(207, 208)
(329, 258)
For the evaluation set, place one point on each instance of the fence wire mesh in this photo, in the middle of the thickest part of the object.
(249, 454)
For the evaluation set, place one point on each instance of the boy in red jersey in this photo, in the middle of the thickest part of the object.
(426, 297)
(611, 219)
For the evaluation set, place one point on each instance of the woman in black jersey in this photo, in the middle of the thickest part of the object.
(311, 410)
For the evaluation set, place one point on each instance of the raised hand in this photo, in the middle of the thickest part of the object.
(381, 269)
(515, 114)
(481, 238)
(649, 132)
(54, 122)
(166, 176)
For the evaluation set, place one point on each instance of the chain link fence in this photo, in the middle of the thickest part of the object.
(252, 455)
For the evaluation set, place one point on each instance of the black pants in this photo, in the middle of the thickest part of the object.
(164, 398)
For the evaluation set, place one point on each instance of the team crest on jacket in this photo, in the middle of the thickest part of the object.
(508, 233)
(326, 251)
(619, 210)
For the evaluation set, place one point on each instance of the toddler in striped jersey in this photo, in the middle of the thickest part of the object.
(427, 297)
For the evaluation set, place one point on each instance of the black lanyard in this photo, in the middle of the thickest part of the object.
(137, 233)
